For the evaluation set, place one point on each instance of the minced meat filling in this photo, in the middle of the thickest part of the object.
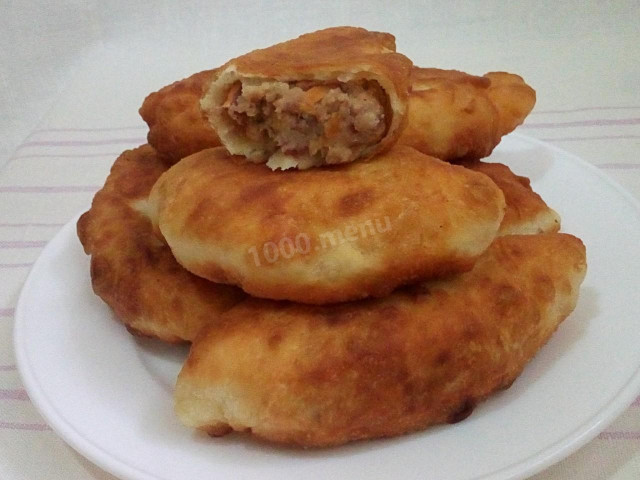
(330, 122)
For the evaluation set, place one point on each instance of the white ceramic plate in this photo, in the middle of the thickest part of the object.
(110, 396)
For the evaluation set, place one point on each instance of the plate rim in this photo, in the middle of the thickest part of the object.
(534, 463)
(40, 400)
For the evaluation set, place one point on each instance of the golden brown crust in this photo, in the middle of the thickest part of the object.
(319, 376)
(329, 55)
(458, 116)
(526, 212)
(453, 115)
(512, 97)
(334, 49)
(135, 273)
(363, 228)
(177, 126)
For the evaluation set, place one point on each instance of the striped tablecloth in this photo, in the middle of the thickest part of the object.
(54, 172)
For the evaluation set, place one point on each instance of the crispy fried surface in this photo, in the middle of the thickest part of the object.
(135, 273)
(326, 57)
(319, 376)
(334, 49)
(526, 212)
(361, 229)
(453, 115)
(177, 126)
(512, 98)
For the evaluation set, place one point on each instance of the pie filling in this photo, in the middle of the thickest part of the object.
(314, 122)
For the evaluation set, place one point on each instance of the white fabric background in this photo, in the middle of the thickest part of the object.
(88, 65)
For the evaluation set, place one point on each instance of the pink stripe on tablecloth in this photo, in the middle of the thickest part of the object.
(636, 402)
(7, 312)
(31, 224)
(48, 189)
(8, 368)
(22, 244)
(592, 137)
(619, 435)
(38, 427)
(6, 266)
(602, 122)
(619, 166)
(81, 143)
(13, 394)
(99, 129)
(586, 109)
